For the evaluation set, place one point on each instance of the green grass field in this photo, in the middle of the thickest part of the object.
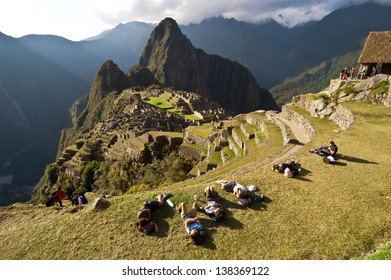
(329, 212)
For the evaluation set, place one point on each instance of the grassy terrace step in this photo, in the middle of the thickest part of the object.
(215, 158)
(202, 131)
(227, 154)
(199, 169)
(199, 148)
(116, 153)
(155, 134)
(235, 147)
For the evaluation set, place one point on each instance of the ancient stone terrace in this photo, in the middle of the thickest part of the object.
(212, 146)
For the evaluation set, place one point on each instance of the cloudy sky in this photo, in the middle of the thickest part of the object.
(80, 19)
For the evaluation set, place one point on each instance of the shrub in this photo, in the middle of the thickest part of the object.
(349, 90)
(52, 174)
(324, 96)
(381, 87)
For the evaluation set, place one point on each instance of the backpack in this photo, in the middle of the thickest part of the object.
(329, 160)
(199, 238)
(51, 201)
(84, 199)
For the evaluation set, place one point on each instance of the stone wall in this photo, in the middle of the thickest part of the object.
(363, 90)
(252, 120)
(246, 133)
(342, 117)
(237, 139)
(271, 115)
(300, 121)
(195, 139)
(187, 151)
(320, 108)
(234, 147)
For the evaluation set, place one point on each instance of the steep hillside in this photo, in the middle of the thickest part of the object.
(35, 94)
(336, 211)
(314, 79)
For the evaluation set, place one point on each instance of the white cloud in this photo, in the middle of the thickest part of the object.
(78, 19)
(190, 11)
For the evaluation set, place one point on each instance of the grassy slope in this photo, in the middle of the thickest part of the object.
(331, 212)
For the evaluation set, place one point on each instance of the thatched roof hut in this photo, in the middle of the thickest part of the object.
(377, 52)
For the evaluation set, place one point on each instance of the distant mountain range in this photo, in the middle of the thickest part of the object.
(41, 76)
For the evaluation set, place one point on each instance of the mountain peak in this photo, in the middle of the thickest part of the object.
(167, 29)
(175, 62)
(167, 43)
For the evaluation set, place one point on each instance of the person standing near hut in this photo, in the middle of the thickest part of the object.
(361, 75)
(373, 73)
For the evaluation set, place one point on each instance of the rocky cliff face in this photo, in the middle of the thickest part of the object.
(174, 61)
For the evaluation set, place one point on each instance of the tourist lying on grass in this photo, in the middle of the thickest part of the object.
(145, 223)
(212, 207)
(289, 168)
(239, 191)
(192, 224)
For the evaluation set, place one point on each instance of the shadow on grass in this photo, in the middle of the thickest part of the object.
(210, 231)
(160, 216)
(258, 202)
(339, 163)
(302, 174)
(355, 159)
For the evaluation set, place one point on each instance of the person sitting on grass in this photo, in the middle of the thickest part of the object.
(57, 196)
(325, 151)
(212, 207)
(328, 153)
(192, 224)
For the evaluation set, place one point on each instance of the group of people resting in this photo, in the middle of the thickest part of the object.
(59, 195)
(289, 168)
(292, 168)
(194, 228)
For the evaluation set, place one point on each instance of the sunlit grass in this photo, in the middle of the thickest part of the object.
(337, 211)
